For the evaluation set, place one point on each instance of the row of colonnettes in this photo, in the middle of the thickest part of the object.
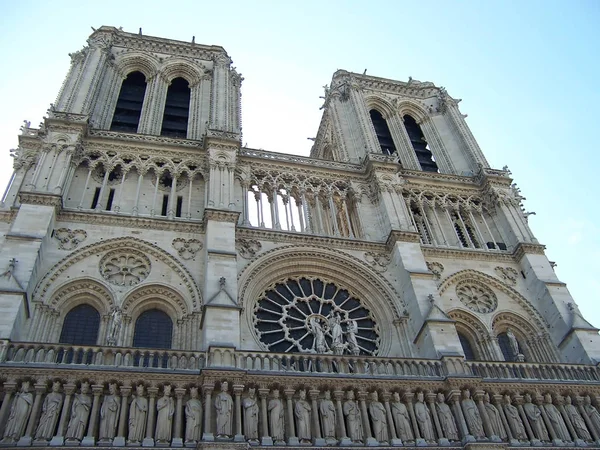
(109, 414)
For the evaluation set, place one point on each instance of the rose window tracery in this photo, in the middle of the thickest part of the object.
(314, 316)
(476, 297)
(125, 267)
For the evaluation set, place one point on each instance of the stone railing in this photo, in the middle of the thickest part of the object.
(532, 371)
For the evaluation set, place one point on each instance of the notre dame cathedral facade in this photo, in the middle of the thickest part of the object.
(163, 286)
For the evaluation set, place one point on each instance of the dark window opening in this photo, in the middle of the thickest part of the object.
(383, 133)
(80, 326)
(165, 205)
(179, 204)
(96, 198)
(417, 139)
(129, 105)
(467, 348)
(461, 235)
(153, 329)
(177, 109)
(472, 236)
(109, 202)
(506, 348)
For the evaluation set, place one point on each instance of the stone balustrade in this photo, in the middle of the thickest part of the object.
(532, 371)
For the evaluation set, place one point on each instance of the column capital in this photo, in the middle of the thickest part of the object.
(362, 395)
(263, 392)
(478, 395)
(69, 388)
(179, 392)
(518, 399)
(208, 388)
(40, 388)
(289, 393)
(238, 389)
(386, 396)
(125, 391)
(97, 389)
(496, 398)
(338, 395)
(314, 394)
(408, 397)
(152, 392)
(10, 386)
(454, 395)
(430, 397)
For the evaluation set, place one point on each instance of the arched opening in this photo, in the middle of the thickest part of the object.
(467, 347)
(153, 329)
(383, 133)
(177, 109)
(129, 105)
(80, 326)
(510, 346)
(417, 140)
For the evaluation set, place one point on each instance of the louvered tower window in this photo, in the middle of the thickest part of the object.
(129, 105)
(177, 109)
(153, 329)
(383, 133)
(81, 326)
(417, 139)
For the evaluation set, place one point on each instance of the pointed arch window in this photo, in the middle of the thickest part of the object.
(80, 326)
(507, 348)
(467, 347)
(383, 133)
(153, 329)
(419, 144)
(129, 105)
(177, 109)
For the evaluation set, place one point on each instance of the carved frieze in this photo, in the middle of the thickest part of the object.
(379, 261)
(507, 274)
(436, 269)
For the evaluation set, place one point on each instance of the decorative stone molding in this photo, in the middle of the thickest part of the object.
(156, 292)
(69, 239)
(125, 267)
(477, 297)
(38, 198)
(220, 215)
(144, 223)
(379, 261)
(146, 139)
(507, 274)
(436, 269)
(248, 248)
(187, 248)
(65, 297)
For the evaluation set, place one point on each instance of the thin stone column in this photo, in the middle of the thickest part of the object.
(87, 182)
(430, 398)
(408, 398)
(119, 440)
(484, 416)
(40, 390)
(9, 389)
(177, 439)
(135, 209)
(342, 436)
(237, 391)
(394, 439)
(263, 393)
(149, 439)
(292, 438)
(318, 440)
(208, 434)
(369, 439)
(59, 438)
(102, 189)
(460, 417)
(90, 439)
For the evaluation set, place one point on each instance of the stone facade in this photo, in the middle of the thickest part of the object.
(177, 289)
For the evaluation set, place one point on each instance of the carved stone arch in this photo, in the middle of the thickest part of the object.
(534, 342)
(156, 296)
(342, 269)
(137, 62)
(474, 330)
(413, 108)
(191, 291)
(84, 290)
(179, 67)
(380, 104)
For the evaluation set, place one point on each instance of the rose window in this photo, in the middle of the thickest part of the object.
(313, 316)
(125, 268)
(476, 297)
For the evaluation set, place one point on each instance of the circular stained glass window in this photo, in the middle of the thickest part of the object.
(314, 316)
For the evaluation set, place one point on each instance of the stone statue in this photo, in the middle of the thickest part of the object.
(592, 412)
(401, 419)
(276, 413)
(534, 415)
(165, 407)
(115, 327)
(514, 344)
(328, 416)
(50, 413)
(138, 411)
(560, 428)
(80, 413)
(353, 419)
(378, 418)
(337, 335)
(250, 406)
(302, 410)
(109, 414)
(351, 332)
(424, 418)
(319, 343)
(577, 421)
(19, 413)
(494, 418)
(224, 407)
(514, 420)
(472, 416)
(193, 417)
(447, 421)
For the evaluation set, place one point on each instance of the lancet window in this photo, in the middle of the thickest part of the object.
(177, 109)
(382, 131)
(153, 329)
(129, 104)
(80, 326)
(419, 144)
(467, 347)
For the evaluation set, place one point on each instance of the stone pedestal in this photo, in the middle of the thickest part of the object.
(397, 442)
(119, 441)
(25, 441)
(177, 442)
(88, 441)
(267, 441)
(148, 442)
(57, 441)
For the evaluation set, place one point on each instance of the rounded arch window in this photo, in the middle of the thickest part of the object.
(467, 347)
(80, 326)
(314, 316)
(153, 329)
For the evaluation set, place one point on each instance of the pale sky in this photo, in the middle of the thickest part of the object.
(527, 72)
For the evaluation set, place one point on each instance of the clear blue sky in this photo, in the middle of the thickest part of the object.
(528, 72)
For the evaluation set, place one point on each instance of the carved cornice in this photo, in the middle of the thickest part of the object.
(41, 198)
(401, 236)
(220, 215)
(145, 138)
(527, 248)
(8, 216)
(465, 254)
(97, 218)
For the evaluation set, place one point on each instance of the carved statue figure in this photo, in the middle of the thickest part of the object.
(353, 419)
(109, 414)
(472, 416)
(447, 421)
(424, 418)
(328, 416)
(494, 418)
(319, 343)
(534, 415)
(115, 326)
(560, 428)
(50, 413)
(302, 410)
(378, 418)
(514, 420)
(80, 412)
(193, 417)
(19, 413)
(165, 407)
(401, 419)
(577, 421)
(138, 411)
(337, 335)
(224, 407)
(592, 412)
(351, 332)
(250, 406)
(276, 413)
(512, 340)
